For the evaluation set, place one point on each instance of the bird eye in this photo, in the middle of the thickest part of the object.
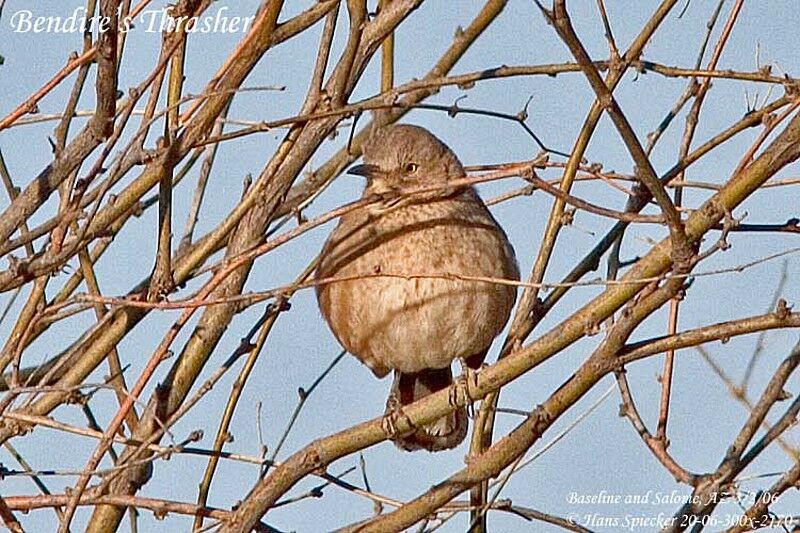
(410, 167)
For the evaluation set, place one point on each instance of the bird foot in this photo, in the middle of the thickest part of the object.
(459, 393)
(394, 413)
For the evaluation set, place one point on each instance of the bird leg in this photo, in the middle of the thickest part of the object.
(393, 413)
(459, 394)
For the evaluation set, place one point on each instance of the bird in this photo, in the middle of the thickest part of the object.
(414, 294)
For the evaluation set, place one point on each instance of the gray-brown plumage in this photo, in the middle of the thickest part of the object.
(395, 318)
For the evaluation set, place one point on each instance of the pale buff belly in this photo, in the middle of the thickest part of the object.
(418, 323)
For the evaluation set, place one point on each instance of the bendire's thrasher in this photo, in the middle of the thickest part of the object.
(408, 303)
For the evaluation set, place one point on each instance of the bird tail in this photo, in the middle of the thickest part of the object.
(441, 434)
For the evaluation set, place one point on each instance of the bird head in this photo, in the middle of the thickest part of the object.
(402, 155)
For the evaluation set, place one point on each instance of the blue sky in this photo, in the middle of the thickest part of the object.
(603, 452)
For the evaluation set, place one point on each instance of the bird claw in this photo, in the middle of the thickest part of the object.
(459, 393)
(394, 413)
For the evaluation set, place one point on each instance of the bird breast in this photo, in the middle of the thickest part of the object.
(409, 300)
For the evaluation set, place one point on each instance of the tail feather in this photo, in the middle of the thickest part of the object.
(441, 434)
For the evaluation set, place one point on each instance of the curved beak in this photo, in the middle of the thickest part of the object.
(368, 171)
